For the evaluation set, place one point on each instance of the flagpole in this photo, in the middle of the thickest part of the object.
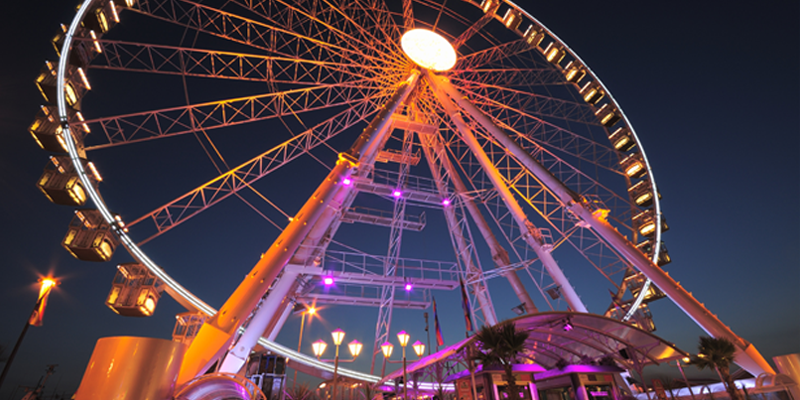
(428, 332)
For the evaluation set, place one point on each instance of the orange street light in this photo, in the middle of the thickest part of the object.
(310, 311)
(46, 285)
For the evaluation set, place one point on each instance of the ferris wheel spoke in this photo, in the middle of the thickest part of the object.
(255, 34)
(142, 57)
(323, 21)
(534, 130)
(606, 260)
(603, 258)
(477, 26)
(545, 106)
(408, 15)
(376, 17)
(149, 125)
(198, 200)
(510, 77)
(492, 54)
(573, 177)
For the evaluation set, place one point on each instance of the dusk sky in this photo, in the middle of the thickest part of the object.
(710, 87)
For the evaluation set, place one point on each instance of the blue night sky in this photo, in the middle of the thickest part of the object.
(711, 88)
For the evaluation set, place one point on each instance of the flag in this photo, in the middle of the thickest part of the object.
(44, 292)
(465, 305)
(439, 340)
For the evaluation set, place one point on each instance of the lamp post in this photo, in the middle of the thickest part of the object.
(686, 381)
(338, 336)
(419, 350)
(403, 338)
(310, 311)
(45, 286)
(387, 349)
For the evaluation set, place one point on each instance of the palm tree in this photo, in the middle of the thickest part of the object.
(301, 391)
(501, 346)
(717, 353)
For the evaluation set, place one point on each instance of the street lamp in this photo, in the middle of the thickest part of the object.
(45, 286)
(319, 348)
(403, 338)
(310, 311)
(387, 349)
(419, 348)
(338, 336)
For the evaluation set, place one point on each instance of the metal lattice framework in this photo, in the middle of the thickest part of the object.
(519, 146)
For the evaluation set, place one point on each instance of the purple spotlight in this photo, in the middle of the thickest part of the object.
(409, 286)
(446, 202)
(347, 182)
(328, 280)
(568, 326)
(397, 193)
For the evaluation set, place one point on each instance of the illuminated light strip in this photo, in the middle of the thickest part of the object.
(657, 239)
(136, 252)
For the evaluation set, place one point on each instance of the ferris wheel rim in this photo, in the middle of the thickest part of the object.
(172, 284)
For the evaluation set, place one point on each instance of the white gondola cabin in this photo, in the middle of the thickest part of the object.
(135, 291)
(62, 185)
(187, 325)
(48, 133)
(89, 237)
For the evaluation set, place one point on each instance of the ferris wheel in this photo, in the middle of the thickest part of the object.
(469, 120)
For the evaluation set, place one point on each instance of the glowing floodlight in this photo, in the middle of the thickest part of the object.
(446, 202)
(429, 50)
(328, 280)
(397, 193)
(409, 286)
(347, 181)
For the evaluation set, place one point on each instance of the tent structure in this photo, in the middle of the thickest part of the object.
(557, 339)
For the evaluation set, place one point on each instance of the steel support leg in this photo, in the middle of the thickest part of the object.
(747, 356)
(479, 288)
(237, 356)
(499, 254)
(529, 232)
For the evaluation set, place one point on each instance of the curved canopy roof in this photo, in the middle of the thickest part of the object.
(576, 338)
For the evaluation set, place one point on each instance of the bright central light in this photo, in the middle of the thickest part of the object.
(428, 49)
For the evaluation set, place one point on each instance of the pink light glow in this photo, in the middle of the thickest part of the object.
(397, 193)
(409, 287)
(446, 202)
(347, 181)
(327, 280)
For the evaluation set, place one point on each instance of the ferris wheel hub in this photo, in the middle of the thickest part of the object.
(428, 49)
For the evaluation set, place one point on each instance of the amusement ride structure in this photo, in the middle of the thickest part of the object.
(473, 111)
